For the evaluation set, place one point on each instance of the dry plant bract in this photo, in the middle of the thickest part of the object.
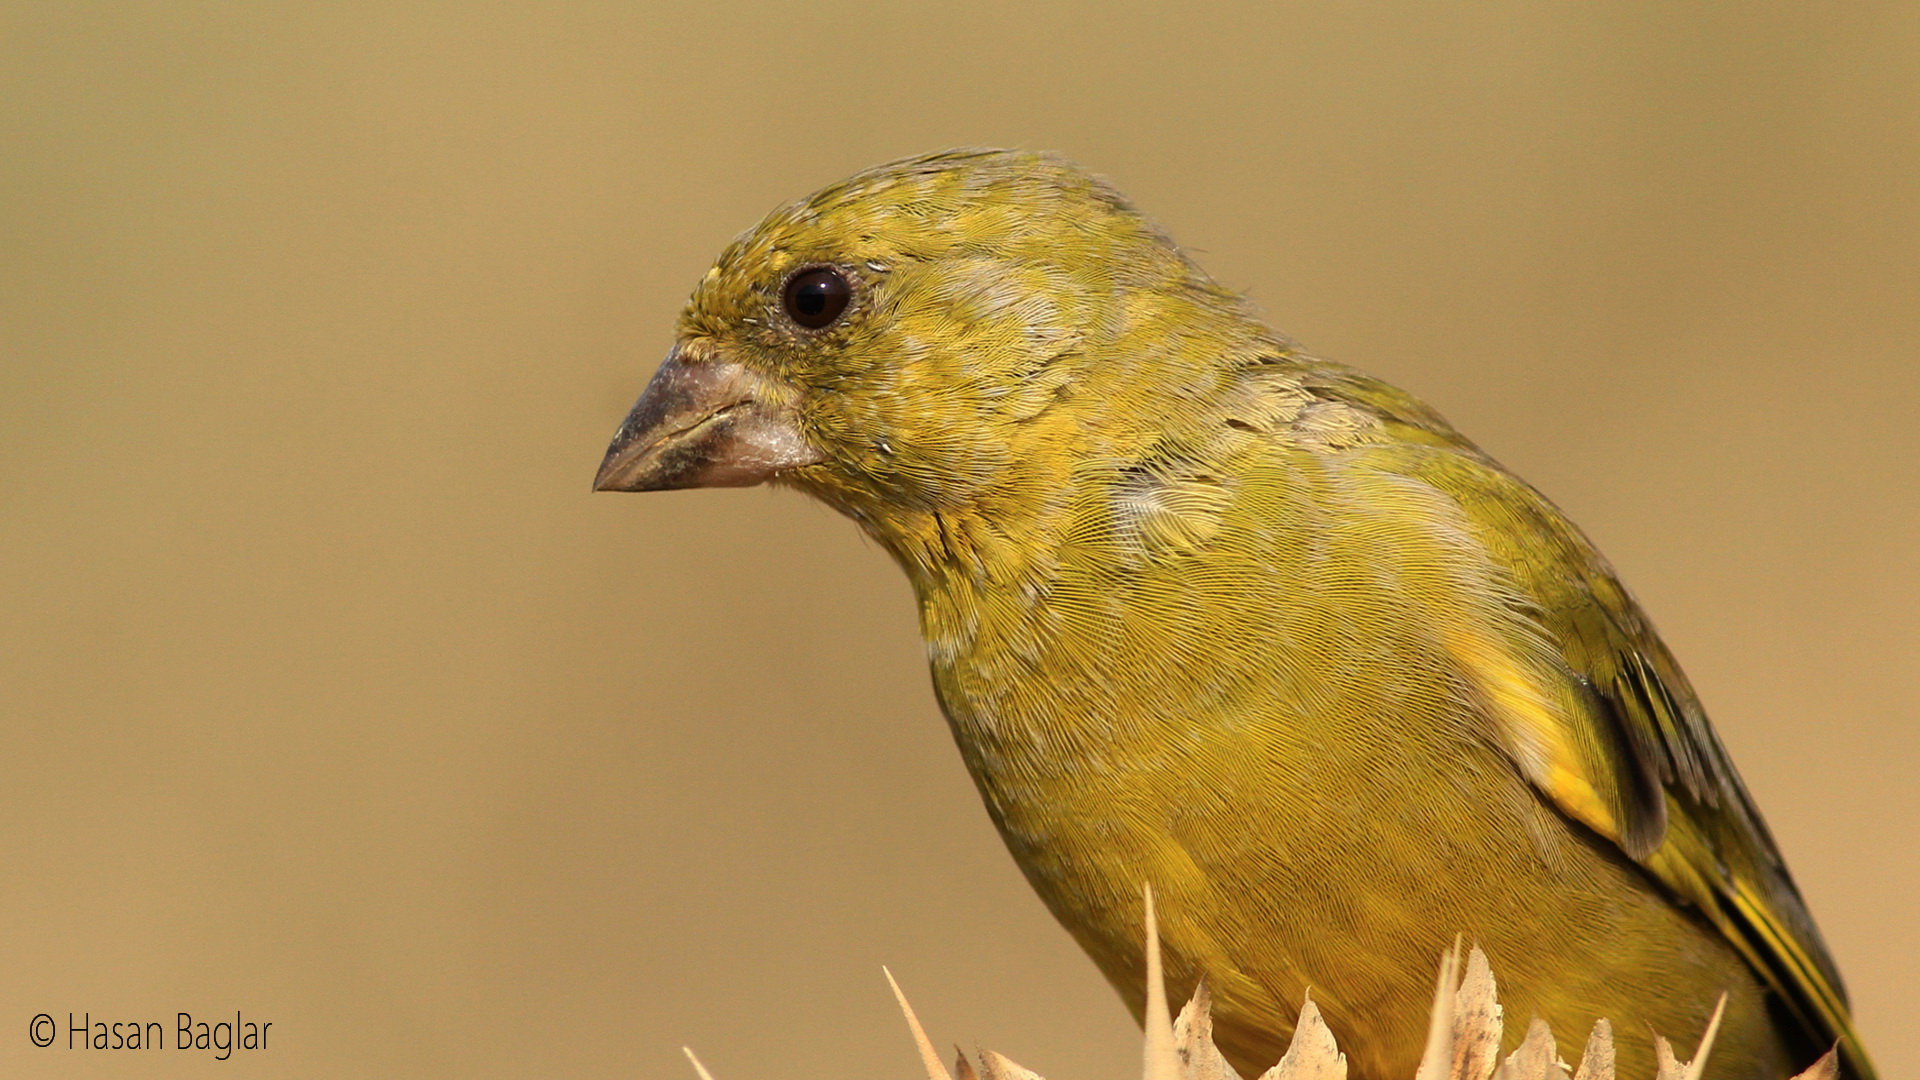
(1463, 1038)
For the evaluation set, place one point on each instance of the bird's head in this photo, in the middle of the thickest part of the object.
(947, 334)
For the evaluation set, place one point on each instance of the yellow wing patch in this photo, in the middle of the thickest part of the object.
(1539, 739)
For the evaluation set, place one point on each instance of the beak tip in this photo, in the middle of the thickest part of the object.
(609, 477)
(603, 475)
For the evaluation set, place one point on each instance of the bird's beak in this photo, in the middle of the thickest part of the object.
(705, 421)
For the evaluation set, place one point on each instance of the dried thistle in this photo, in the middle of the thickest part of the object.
(1463, 1038)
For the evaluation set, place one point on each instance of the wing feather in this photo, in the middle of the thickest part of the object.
(1621, 744)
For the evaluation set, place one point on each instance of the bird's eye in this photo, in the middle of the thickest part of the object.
(814, 298)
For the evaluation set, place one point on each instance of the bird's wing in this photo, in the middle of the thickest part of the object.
(1595, 711)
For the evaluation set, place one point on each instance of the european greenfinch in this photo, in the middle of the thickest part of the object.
(1210, 614)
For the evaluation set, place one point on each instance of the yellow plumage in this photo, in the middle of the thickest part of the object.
(1207, 613)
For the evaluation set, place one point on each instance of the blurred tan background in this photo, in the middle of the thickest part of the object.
(328, 692)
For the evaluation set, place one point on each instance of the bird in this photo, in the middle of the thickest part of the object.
(1209, 614)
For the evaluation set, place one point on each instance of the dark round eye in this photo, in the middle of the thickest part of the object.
(815, 298)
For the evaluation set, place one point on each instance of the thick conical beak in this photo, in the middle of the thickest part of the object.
(704, 422)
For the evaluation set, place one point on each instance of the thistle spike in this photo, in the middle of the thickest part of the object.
(929, 1057)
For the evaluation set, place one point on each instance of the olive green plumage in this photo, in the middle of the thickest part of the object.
(1209, 613)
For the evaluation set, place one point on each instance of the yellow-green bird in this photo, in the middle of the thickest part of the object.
(1207, 613)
